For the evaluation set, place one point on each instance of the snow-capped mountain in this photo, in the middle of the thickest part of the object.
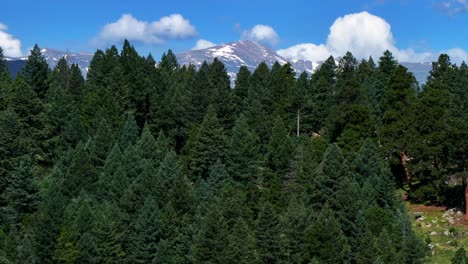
(236, 54)
(233, 55)
(251, 54)
(52, 56)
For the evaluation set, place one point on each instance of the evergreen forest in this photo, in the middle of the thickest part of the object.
(146, 161)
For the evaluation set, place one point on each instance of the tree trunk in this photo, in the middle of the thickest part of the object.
(405, 167)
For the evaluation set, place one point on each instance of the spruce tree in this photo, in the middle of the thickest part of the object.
(241, 245)
(36, 72)
(208, 147)
(325, 241)
(210, 242)
(146, 233)
(242, 154)
(21, 192)
(268, 234)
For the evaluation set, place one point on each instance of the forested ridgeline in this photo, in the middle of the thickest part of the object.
(169, 164)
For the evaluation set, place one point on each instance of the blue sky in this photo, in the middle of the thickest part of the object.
(414, 30)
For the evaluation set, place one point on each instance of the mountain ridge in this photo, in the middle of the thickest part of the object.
(232, 55)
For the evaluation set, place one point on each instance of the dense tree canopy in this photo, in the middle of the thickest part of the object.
(146, 162)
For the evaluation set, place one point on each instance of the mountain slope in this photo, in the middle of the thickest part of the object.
(52, 57)
(251, 54)
(233, 55)
(236, 54)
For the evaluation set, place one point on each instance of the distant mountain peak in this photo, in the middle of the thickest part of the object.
(242, 53)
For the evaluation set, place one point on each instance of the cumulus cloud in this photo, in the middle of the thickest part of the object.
(203, 44)
(363, 34)
(457, 55)
(128, 27)
(306, 51)
(11, 46)
(453, 7)
(263, 34)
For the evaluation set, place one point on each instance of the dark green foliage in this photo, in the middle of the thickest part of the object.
(81, 174)
(325, 241)
(268, 235)
(210, 243)
(21, 191)
(147, 233)
(208, 146)
(242, 154)
(241, 247)
(36, 72)
(460, 257)
(49, 217)
(152, 162)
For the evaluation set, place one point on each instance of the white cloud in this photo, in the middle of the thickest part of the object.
(128, 27)
(263, 34)
(306, 51)
(11, 46)
(174, 26)
(203, 44)
(457, 55)
(363, 34)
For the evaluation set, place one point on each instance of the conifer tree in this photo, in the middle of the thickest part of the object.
(208, 147)
(267, 234)
(5, 77)
(146, 233)
(323, 88)
(81, 174)
(129, 133)
(331, 171)
(397, 104)
(241, 245)
(242, 154)
(21, 192)
(210, 242)
(36, 72)
(49, 216)
(241, 88)
(325, 241)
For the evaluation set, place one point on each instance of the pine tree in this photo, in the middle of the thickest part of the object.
(397, 104)
(49, 216)
(350, 121)
(26, 252)
(221, 98)
(36, 72)
(241, 245)
(81, 174)
(268, 234)
(129, 133)
(108, 234)
(323, 88)
(241, 88)
(208, 147)
(242, 154)
(210, 242)
(146, 233)
(325, 241)
(21, 193)
(331, 171)
(87, 251)
(279, 148)
(30, 114)
(113, 180)
(5, 77)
